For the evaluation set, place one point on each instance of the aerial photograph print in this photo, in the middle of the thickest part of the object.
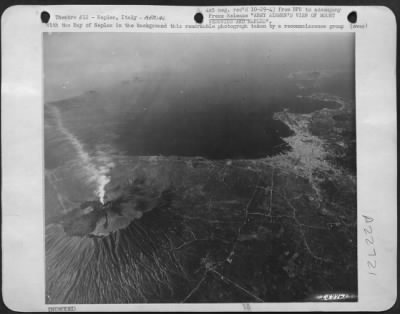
(199, 168)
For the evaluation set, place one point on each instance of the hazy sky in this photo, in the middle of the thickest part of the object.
(77, 62)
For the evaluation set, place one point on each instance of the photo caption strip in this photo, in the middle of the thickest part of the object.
(249, 18)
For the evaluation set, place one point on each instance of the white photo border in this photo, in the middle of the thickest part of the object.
(23, 283)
